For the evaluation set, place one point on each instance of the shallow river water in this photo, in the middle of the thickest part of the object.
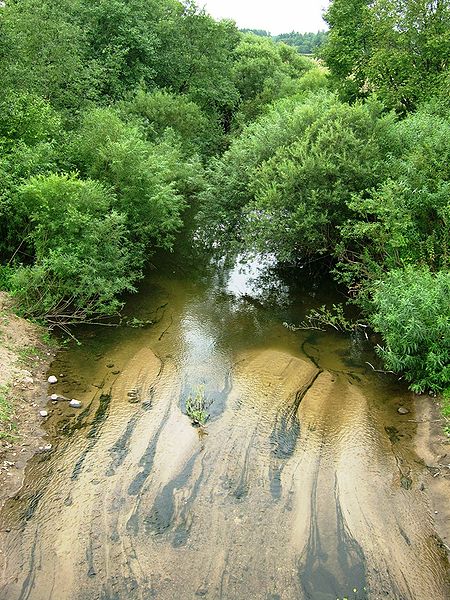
(302, 485)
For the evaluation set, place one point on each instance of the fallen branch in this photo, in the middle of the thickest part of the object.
(379, 370)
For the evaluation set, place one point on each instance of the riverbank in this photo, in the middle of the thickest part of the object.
(24, 360)
(433, 447)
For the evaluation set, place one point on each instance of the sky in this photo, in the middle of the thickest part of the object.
(276, 16)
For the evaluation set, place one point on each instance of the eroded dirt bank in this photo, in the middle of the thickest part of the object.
(24, 360)
(433, 448)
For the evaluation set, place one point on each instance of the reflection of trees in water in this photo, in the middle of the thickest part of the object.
(261, 279)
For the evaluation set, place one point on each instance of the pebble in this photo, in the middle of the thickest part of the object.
(54, 397)
(52, 379)
(402, 410)
(43, 413)
(75, 403)
(45, 448)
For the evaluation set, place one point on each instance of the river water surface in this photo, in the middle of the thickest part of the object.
(302, 485)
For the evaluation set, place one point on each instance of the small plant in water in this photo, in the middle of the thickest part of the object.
(322, 317)
(196, 406)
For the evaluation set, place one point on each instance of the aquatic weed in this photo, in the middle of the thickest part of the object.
(196, 406)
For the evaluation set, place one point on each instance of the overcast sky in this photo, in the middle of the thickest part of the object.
(276, 16)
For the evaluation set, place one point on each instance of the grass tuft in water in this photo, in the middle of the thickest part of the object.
(196, 406)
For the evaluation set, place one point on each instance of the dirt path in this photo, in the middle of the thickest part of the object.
(24, 360)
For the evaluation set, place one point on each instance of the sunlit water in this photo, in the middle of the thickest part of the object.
(302, 485)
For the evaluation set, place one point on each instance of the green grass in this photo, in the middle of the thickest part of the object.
(28, 352)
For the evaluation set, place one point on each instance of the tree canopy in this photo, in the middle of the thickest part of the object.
(120, 117)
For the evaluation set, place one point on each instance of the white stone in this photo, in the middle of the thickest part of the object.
(52, 379)
(54, 397)
(75, 403)
(43, 413)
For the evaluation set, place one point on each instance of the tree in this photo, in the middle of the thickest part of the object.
(196, 59)
(162, 111)
(137, 171)
(263, 72)
(396, 48)
(405, 219)
(283, 186)
(348, 44)
(304, 43)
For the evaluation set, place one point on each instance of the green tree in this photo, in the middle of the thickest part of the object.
(30, 129)
(42, 50)
(396, 48)
(304, 43)
(195, 59)
(283, 186)
(161, 111)
(405, 220)
(348, 45)
(264, 72)
(148, 179)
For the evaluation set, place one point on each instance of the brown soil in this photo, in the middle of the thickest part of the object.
(433, 447)
(24, 360)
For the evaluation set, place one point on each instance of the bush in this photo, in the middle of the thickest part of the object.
(406, 218)
(83, 260)
(162, 110)
(411, 311)
(284, 184)
(138, 172)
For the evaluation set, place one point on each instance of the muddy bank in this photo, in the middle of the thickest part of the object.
(433, 448)
(24, 360)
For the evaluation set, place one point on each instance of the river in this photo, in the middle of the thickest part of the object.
(302, 485)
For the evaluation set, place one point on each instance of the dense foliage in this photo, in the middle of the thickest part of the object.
(398, 49)
(411, 311)
(116, 116)
(304, 43)
(363, 189)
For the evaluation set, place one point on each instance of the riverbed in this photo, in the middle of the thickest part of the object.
(303, 484)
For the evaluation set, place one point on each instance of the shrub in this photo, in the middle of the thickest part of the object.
(139, 173)
(82, 256)
(412, 313)
(162, 110)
